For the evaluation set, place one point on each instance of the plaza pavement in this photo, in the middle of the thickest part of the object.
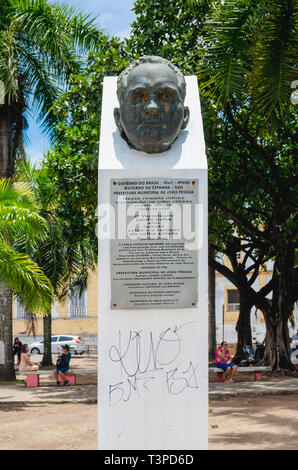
(87, 393)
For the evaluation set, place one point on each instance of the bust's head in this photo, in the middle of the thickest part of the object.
(151, 93)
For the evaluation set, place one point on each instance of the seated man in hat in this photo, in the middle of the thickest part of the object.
(62, 365)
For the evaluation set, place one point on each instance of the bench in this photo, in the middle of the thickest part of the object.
(32, 377)
(90, 351)
(257, 371)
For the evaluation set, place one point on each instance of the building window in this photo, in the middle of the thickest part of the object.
(20, 311)
(54, 311)
(233, 304)
(22, 314)
(77, 303)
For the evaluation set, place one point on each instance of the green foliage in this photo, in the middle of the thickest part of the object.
(244, 54)
(250, 51)
(41, 43)
(72, 163)
(170, 29)
(62, 261)
(18, 216)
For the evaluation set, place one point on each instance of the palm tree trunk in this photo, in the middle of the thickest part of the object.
(6, 163)
(7, 372)
(47, 333)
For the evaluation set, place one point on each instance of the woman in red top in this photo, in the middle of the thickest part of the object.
(223, 361)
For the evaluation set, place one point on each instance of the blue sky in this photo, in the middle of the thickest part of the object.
(114, 17)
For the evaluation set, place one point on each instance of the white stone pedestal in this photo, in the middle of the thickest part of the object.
(153, 362)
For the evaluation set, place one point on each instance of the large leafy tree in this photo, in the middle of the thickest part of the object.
(250, 146)
(244, 57)
(19, 275)
(247, 68)
(39, 46)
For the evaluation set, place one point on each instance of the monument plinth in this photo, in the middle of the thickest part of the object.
(153, 313)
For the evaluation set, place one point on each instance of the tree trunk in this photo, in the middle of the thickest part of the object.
(277, 348)
(6, 157)
(211, 307)
(47, 333)
(243, 328)
(7, 372)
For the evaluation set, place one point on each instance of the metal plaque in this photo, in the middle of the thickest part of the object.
(154, 260)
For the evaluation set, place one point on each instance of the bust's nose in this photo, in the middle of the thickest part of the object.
(152, 108)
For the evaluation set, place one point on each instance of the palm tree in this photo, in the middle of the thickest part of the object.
(62, 264)
(250, 50)
(19, 275)
(39, 46)
(40, 43)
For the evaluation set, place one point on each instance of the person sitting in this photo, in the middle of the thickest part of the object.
(26, 364)
(17, 349)
(62, 365)
(224, 362)
(295, 336)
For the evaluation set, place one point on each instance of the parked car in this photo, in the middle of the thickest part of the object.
(75, 344)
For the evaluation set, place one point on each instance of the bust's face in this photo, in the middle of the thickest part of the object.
(152, 112)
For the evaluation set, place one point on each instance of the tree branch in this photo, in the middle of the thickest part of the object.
(241, 221)
(245, 133)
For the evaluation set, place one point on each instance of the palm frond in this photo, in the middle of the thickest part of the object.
(24, 277)
(8, 64)
(16, 193)
(41, 80)
(275, 57)
(226, 49)
(194, 3)
(17, 222)
(250, 50)
(41, 44)
(58, 30)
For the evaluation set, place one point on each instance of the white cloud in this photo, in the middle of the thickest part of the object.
(123, 33)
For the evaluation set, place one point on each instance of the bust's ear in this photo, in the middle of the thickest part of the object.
(186, 117)
(117, 119)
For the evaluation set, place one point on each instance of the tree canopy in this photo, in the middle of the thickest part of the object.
(41, 43)
(243, 53)
(72, 162)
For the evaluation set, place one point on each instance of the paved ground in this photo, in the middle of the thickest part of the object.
(268, 422)
(255, 423)
(242, 415)
(45, 426)
(48, 394)
(86, 390)
(284, 386)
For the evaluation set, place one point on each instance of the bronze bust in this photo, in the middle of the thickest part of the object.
(151, 93)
